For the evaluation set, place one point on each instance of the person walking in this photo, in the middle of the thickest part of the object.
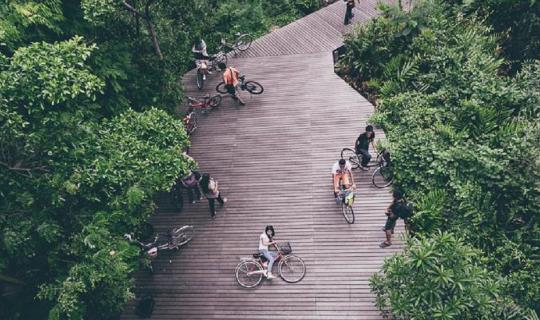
(209, 188)
(348, 12)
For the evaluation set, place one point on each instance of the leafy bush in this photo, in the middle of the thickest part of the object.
(464, 136)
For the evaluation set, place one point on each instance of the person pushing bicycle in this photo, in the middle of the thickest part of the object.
(342, 176)
(230, 77)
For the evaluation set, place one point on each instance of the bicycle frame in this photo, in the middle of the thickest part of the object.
(259, 260)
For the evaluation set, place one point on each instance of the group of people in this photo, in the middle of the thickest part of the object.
(231, 75)
(198, 185)
(342, 175)
(343, 179)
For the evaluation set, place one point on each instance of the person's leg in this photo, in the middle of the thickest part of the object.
(212, 205)
(190, 194)
(238, 97)
(271, 258)
(335, 185)
(388, 229)
(366, 157)
(196, 192)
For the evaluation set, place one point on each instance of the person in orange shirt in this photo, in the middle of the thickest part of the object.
(230, 77)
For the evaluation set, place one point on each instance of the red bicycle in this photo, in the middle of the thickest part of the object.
(249, 272)
(204, 104)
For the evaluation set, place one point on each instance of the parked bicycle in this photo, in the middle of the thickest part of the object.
(204, 104)
(347, 200)
(249, 272)
(241, 43)
(252, 87)
(173, 240)
(383, 176)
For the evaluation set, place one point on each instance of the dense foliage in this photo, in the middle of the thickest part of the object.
(518, 22)
(464, 137)
(88, 136)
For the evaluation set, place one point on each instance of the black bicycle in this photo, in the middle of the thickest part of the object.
(252, 87)
(383, 176)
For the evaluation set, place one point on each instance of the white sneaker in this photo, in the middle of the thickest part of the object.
(270, 276)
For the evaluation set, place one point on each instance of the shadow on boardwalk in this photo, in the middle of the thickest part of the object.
(273, 158)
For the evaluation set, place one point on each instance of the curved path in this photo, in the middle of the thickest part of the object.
(273, 158)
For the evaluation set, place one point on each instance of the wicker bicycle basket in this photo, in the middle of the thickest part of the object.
(285, 247)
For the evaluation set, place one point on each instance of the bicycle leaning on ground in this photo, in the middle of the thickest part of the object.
(249, 272)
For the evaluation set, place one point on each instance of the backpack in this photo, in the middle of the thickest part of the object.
(404, 210)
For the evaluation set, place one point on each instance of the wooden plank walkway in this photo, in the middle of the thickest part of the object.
(272, 158)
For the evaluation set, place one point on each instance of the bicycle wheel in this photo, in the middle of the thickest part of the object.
(220, 57)
(292, 268)
(182, 235)
(248, 274)
(215, 101)
(348, 213)
(200, 80)
(221, 87)
(350, 155)
(254, 87)
(382, 177)
(243, 42)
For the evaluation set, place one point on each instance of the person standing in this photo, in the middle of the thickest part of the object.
(348, 12)
(398, 209)
(209, 187)
(191, 183)
(362, 146)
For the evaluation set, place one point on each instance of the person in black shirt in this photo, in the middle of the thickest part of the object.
(398, 209)
(362, 146)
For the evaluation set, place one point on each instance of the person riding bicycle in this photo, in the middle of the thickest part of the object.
(265, 239)
(230, 77)
(362, 146)
(342, 176)
(201, 56)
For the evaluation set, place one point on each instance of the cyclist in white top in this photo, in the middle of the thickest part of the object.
(265, 239)
(342, 175)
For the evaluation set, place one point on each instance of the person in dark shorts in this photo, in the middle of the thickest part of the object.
(230, 77)
(398, 209)
(362, 146)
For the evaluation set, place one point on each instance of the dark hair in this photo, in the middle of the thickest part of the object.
(342, 161)
(369, 128)
(398, 195)
(271, 229)
(222, 65)
(205, 180)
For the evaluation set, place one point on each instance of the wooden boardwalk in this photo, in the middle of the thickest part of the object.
(272, 158)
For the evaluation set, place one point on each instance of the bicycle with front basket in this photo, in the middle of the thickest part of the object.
(250, 271)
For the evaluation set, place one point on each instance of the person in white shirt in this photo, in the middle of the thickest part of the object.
(342, 172)
(265, 239)
(209, 188)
